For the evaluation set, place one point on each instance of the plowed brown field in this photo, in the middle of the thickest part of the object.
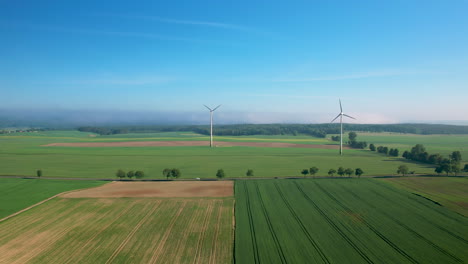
(157, 189)
(188, 144)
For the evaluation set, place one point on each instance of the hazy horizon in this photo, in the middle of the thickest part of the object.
(389, 62)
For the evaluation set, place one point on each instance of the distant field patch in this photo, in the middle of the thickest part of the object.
(189, 143)
(451, 192)
(121, 230)
(158, 189)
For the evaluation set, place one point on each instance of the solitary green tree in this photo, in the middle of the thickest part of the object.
(331, 172)
(249, 172)
(465, 169)
(341, 171)
(139, 174)
(349, 172)
(403, 170)
(167, 173)
(39, 173)
(352, 136)
(220, 174)
(176, 173)
(455, 168)
(313, 171)
(372, 147)
(305, 172)
(120, 173)
(455, 157)
(359, 172)
(130, 174)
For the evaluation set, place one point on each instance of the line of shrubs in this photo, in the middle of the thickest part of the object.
(130, 174)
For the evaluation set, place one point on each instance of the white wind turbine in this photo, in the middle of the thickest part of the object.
(340, 115)
(211, 123)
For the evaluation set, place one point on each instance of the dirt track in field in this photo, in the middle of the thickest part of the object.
(157, 189)
(189, 144)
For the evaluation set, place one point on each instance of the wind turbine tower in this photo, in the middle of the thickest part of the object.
(340, 115)
(211, 123)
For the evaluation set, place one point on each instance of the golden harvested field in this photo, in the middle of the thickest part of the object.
(121, 230)
(158, 189)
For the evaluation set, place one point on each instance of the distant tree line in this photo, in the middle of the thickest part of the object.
(316, 130)
(130, 174)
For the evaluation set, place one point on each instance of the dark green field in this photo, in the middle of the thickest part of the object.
(23, 153)
(17, 194)
(343, 221)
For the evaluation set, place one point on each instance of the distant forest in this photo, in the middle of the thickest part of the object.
(316, 130)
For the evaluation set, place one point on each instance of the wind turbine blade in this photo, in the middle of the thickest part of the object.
(208, 108)
(341, 108)
(217, 107)
(349, 116)
(335, 118)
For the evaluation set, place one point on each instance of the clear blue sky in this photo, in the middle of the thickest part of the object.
(265, 61)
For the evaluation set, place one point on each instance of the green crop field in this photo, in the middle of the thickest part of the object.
(22, 154)
(17, 194)
(129, 230)
(343, 221)
(451, 192)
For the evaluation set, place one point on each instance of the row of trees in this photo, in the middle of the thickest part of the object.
(354, 143)
(130, 174)
(385, 150)
(171, 173)
(341, 171)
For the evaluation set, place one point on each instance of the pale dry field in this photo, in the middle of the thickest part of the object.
(126, 222)
(157, 189)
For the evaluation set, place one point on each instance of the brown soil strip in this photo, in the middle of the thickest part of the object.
(189, 144)
(162, 243)
(130, 235)
(157, 189)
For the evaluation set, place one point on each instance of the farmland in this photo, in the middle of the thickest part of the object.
(451, 192)
(343, 221)
(121, 230)
(17, 194)
(22, 153)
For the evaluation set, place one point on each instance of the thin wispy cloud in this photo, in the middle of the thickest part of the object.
(112, 33)
(190, 23)
(363, 75)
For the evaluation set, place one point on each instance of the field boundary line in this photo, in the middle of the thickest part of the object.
(334, 226)
(270, 226)
(301, 224)
(156, 254)
(41, 202)
(130, 235)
